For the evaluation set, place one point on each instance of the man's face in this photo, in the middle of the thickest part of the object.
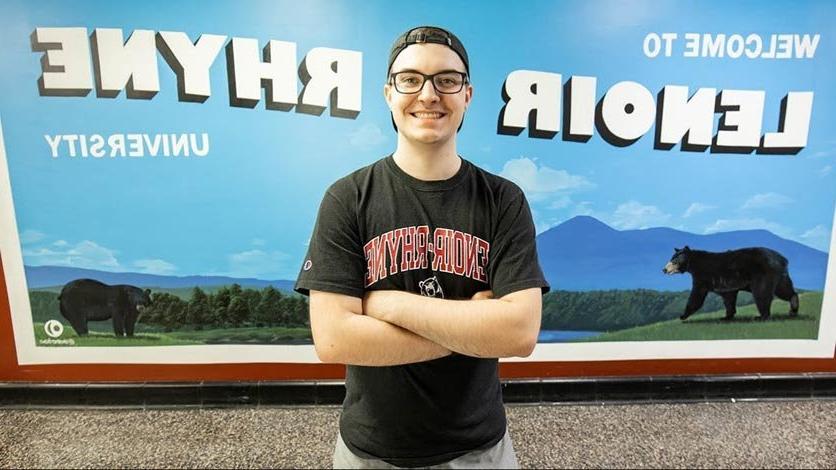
(427, 116)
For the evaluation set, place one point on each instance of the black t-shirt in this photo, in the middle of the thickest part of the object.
(379, 228)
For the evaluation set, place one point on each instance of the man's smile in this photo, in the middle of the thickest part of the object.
(428, 114)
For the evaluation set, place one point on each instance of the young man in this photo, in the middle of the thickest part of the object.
(422, 270)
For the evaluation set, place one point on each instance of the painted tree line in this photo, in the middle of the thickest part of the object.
(228, 307)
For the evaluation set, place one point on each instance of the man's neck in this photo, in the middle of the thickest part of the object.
(427, 162)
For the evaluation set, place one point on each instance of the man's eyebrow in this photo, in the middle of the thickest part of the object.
(440, 71)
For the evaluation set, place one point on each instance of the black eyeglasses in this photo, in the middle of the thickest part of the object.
(444, 82)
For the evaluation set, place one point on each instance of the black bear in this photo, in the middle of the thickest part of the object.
(761, 271)
(86, 300)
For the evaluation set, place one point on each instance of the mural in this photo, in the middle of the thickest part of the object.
(161, 169)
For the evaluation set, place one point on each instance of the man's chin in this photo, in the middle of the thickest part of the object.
(428, 136)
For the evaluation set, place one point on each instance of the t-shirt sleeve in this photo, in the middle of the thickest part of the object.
(335, 261)
(513, 264)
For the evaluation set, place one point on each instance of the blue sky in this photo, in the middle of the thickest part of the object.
(247, 209)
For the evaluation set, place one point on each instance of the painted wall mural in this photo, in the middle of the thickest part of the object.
(161, 169)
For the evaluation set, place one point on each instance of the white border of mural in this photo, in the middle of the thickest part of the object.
(28, 353)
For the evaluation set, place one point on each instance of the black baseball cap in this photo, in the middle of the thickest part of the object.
(428, 34)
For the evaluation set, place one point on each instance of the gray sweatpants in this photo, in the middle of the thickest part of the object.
(500, 455)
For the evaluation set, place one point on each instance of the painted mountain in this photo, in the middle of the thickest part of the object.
(580, 254)
(48, 276)
(584, 253)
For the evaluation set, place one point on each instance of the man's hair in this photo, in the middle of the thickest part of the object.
(425, 35)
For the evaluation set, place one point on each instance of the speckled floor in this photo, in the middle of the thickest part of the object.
(716, 435)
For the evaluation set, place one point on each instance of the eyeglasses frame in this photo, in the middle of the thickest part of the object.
(431, 78)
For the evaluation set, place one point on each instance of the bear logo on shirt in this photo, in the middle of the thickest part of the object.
(431, 288)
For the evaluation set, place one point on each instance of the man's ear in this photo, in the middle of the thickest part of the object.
(468, 95)
(387, 94)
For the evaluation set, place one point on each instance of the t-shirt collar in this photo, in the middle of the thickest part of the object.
(422, 185)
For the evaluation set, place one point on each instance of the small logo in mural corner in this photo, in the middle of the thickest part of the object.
(54, 329)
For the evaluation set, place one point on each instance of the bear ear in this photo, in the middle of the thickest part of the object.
(686, 248)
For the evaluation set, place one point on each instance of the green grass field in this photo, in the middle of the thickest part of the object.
(745, 325)
(101, 334)
(249, 335)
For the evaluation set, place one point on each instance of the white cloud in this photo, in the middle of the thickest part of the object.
(257, 242)
(85, 254)
(561, 202)
(367, 137)
(766, 200)
(539, 183)
(258, 263)
(815, 232)
(817, 237)
(635, 215)
(60, 243)
(696, 208)
(820, 154)
(825, 171)
(726, 225)
(31, 236)
(155, 266)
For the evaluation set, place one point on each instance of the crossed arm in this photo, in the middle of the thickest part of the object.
(393, 327)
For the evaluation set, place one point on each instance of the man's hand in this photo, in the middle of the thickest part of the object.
(482, 295)
(378, 303)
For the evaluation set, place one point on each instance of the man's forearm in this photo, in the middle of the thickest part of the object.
(481, 328)
(346, 337)
(367, 341)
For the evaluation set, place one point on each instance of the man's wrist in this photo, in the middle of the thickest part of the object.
(379, 304)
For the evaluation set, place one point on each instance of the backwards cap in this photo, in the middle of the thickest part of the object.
(428, 34)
